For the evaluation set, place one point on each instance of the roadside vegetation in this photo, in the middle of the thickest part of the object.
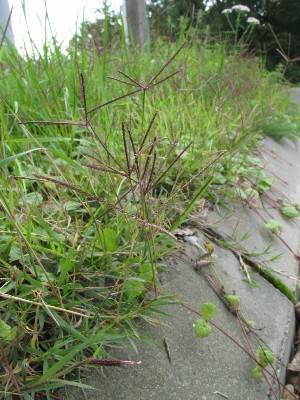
(94, 181)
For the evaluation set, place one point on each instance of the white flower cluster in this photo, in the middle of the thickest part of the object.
(227, 11)
(252, 20)
(240, 7)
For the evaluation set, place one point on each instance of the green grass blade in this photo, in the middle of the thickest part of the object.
(189, 208)
(11, 158)
(68, 160)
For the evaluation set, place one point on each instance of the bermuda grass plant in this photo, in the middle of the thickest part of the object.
(100, 153)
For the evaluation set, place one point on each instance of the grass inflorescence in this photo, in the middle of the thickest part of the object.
(98, 150)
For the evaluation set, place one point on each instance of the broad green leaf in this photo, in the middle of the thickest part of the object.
(108, 239)
(12, 334)
(145, 271)
(33, 198)
(7, 333)
(72, 205)
(15, 253)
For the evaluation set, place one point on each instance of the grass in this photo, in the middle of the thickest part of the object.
(91, 189)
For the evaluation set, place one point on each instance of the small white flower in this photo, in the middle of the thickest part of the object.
(227, 11)
(240, 7)
(252, 20)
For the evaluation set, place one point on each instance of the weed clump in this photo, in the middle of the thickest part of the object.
(92, 176)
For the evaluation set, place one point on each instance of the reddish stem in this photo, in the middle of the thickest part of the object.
(253, 352)
(11, 373)
(229, 337)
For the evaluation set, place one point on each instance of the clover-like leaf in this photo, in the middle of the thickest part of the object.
(265, 356)
(251, 193)
(133, 289)
(290, 211)
(257, 372)
(202, 329)
(265, 184)
(234, 301)
(250, 324)
(274, 226)
(208, 310)
(33, 198)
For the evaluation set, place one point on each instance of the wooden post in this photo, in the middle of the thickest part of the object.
(136, 22)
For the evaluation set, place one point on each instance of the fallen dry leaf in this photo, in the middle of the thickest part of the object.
(289, 393)
(295, 364)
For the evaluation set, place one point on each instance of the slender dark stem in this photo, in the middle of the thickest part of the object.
(167, 63)
(149, 156)
(148, 131)
(11, 372)
(121, 81)
(136, 83)
(171, 165)
(253, 352)
(113, 100)
(105, 147)
(6, 27)
(82, 88)
(126, 150)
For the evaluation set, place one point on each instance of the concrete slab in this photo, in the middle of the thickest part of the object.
(283, 164)
(215, 367)
(200, 368)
